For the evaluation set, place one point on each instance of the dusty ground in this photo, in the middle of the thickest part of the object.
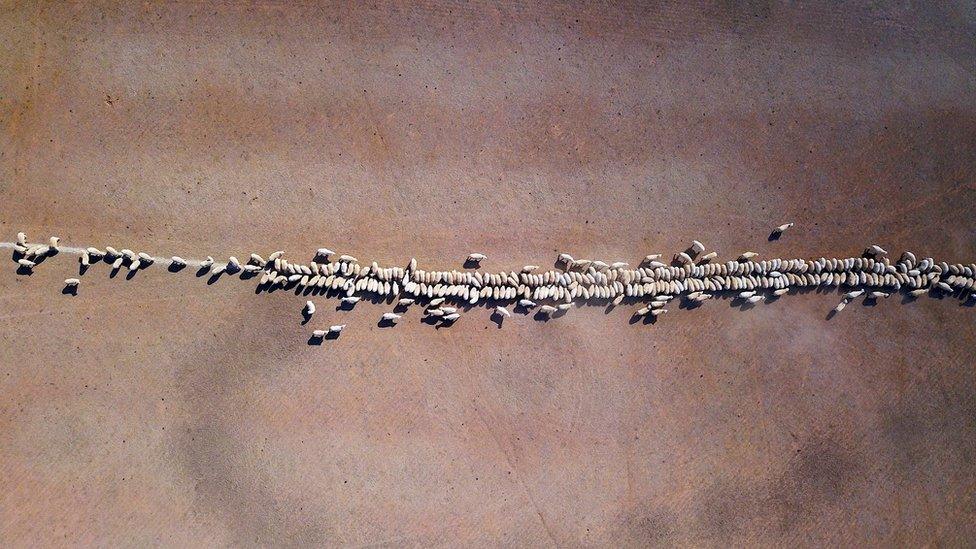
(161, 410)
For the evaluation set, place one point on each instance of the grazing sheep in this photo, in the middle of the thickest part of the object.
(351, 300)
(53, 243)
(853, 295)
(111, 252)
(276, 255)
(22, 238)
(618, 265)
(207, 263)
(782, 229)
(146, 258)
(658, 312)
(84, 259)
(840, 306)
(566, 258)
(526, 303)
(324, 252)
(348, 259)
(336, 328)
(318, 334)
(502, 311)
(309, 309)
(529, 268)
(697, 247)
(755, 299)
(708, 257)
(451, 317)
(71, 282)
(178, 261)
(477, 258)
(877, 295)
(436, 301)
(683, 258)
(746, 256)
(405, 302)
(26, 263)
(875, 250)
(391, 317)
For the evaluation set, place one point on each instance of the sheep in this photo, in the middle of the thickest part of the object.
(207, 263)
(529, 268)
(71, 282)
(94, 252)
(600, 265)
(526, 303)
(502, 311)
(128, 253)
(84, 259)
(919, 292)
(477, 257)
(449, 310)
(683, 258)
(405, 302)
(26, 263)
(853, 295)
(564, 306)
(658, 312)
(697, 247)
(22, 238)
(746, 256)
(436, 301)
(746, 294)
(177, 261)
(566, 259)
(324, 252)
(412, 266)
(781, 229)
(451, 317)
(350, 300)
(547, 310)
(707, 257)
(318, 334)
(875, 251)
(233, 265)
(118, 262)
(781, 292)
(146, 258)
(53, 243)
(876, 295)
(111, 252)
(276, 255)
(336, 328)
(840, 306)
(618, 265)
(257, 259)
(435, 312)
(755, 299)
(348, 259)
(391, 317)
(134, 264)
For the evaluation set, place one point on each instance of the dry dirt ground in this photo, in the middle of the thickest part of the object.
(163, 410)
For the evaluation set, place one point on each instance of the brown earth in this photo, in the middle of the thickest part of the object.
(162, 410)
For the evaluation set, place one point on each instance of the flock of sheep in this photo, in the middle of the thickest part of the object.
(692, 275)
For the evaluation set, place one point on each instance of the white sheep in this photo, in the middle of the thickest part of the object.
(502, 311)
